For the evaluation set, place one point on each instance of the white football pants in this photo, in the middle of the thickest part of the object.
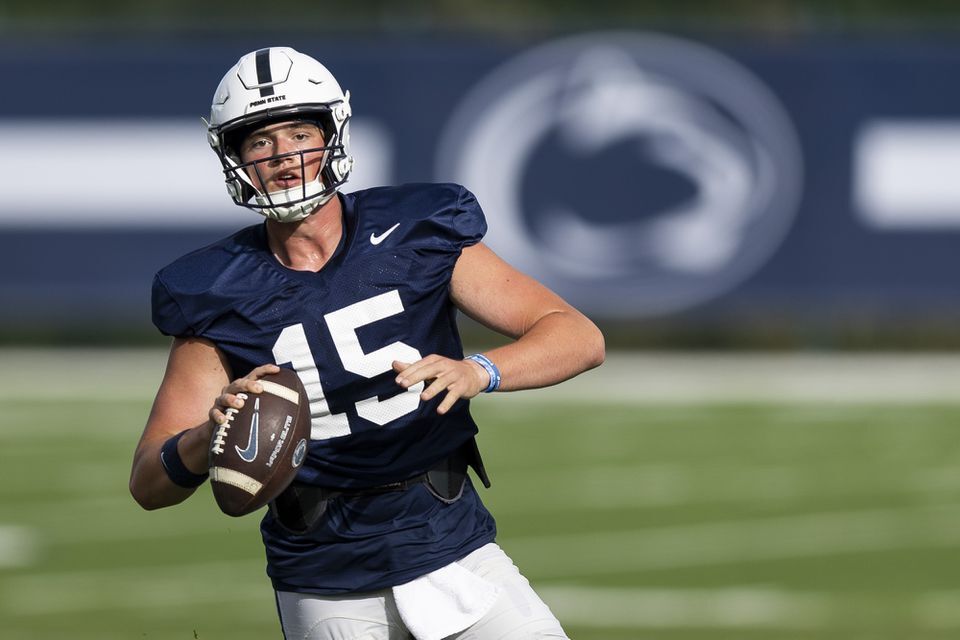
(517, 614)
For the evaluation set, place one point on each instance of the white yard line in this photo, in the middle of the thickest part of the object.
(80, 374)
(746, 607)
(600, 487)
(681, 378)
(634, 377)
(938, 609)
(735, 542)
(727, 607)
(18, 546)
(134, 588)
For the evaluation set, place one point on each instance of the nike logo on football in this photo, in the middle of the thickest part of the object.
(250, 453)
(377, 239)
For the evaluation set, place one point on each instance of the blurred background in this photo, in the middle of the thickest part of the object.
(694, 174)
(757, 201)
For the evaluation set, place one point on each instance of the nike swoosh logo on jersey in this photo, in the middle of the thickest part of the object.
(377, 239)
(250, 453)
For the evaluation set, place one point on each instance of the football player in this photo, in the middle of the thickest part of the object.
(382, 534)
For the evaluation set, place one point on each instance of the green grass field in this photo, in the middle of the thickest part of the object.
(770, 519)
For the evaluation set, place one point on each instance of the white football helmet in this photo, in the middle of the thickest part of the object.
(275, 85)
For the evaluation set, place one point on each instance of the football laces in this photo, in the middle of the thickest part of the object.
(218, 439)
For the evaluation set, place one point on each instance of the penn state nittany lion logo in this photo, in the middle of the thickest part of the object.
(635, 174)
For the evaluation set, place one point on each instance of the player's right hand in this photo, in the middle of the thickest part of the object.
(229, 397)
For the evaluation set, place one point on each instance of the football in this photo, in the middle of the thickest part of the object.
(257, 452)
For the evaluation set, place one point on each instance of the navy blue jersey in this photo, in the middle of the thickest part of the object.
(382, 296)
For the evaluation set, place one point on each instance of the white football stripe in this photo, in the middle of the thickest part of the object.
(280, 391)
(235, 479)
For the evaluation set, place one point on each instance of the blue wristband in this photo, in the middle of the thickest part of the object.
(491, 368)
(172, 463)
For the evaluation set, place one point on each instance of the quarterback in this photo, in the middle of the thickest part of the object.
(382, 535)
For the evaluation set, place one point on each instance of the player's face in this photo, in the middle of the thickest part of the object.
(271, 173)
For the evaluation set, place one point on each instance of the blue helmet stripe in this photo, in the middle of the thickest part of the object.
(264, 76)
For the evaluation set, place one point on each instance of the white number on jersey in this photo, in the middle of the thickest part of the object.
(292, 347)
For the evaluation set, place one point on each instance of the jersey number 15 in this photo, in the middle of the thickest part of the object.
(292, 347)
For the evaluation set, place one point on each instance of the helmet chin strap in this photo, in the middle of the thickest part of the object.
(293, 204)
(286, 205)
(274, 204)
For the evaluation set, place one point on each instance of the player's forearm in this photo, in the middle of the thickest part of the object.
(557, 347)
(150, 484)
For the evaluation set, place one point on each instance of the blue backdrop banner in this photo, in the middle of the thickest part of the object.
(643, 176)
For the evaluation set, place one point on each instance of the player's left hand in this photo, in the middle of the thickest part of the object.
(459, 378)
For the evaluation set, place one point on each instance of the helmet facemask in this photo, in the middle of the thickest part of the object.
(298, 202)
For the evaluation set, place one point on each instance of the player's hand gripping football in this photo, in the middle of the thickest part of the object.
(229, 396)
(461, 379)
